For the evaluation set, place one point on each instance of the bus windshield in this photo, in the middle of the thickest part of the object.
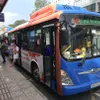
(80, 41)
(96, 41)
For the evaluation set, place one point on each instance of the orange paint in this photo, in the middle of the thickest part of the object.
(32, 54)
(22, 26)
(49, 8)
(42, 77)
(50, 17)
(41, 16)
(58, 75)
(45, 14)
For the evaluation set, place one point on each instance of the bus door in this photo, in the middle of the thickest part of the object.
(25, 59)
(49, 55)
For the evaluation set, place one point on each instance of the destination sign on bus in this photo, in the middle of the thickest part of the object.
(85, 21)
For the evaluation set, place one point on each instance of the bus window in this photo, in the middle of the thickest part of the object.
(24, 40)
(78, 45)
(47, 38)
(31, 36)
(47, 42)
(37, 41)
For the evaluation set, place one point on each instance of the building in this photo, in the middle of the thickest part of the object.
(92, 5)
(2, 5)
(62, 2)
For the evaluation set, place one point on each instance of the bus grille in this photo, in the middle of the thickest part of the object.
(82, 78)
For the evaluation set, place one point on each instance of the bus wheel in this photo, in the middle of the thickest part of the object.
(35, 74)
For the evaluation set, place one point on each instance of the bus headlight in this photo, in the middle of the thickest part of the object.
(65, 78)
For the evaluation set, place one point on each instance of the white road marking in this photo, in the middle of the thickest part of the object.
(97, 94)
(0, 66)
(7, 79)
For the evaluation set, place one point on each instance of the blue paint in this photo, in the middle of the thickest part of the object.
(75, 89)
(75, 10)
(47, 51)
(81, 82)
(53, 85)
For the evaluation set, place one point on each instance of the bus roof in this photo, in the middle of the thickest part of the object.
(68, 9)
(53, 11)
(53, 8)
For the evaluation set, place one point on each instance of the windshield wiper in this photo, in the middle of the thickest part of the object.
(82, 61)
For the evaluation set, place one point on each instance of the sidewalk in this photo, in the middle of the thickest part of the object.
(14, 86)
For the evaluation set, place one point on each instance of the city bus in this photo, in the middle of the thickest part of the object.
(60, 47)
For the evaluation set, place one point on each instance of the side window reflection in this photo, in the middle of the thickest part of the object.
(38, 41)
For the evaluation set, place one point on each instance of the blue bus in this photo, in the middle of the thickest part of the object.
(60, 46)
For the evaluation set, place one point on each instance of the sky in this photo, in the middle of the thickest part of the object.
(17, 10)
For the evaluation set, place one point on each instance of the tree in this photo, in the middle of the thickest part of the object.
(40, 3)
(17, 22)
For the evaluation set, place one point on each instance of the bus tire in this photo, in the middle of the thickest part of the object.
(35, 71)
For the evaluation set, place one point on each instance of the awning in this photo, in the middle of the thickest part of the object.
(2, 4)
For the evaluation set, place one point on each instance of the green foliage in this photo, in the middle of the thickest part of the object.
(17, 22)
(40, 3)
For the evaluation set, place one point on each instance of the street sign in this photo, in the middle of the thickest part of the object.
(1, 17)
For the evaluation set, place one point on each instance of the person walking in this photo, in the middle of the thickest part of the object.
(4, 49)
(15, 53)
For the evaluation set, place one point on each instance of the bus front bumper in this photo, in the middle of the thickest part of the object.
(69, 90)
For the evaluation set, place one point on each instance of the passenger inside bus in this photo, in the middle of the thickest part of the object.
(37, 43)
(79, 52)
(82, 52)
(88, 45)
(65, 51)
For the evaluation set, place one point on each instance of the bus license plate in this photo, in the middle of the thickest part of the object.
(95, 85)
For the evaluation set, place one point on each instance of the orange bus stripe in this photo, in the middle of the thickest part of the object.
(48, 8)
(45, 14)
(58, 75)
(31, 23)
(41, 16)
(50, 17)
